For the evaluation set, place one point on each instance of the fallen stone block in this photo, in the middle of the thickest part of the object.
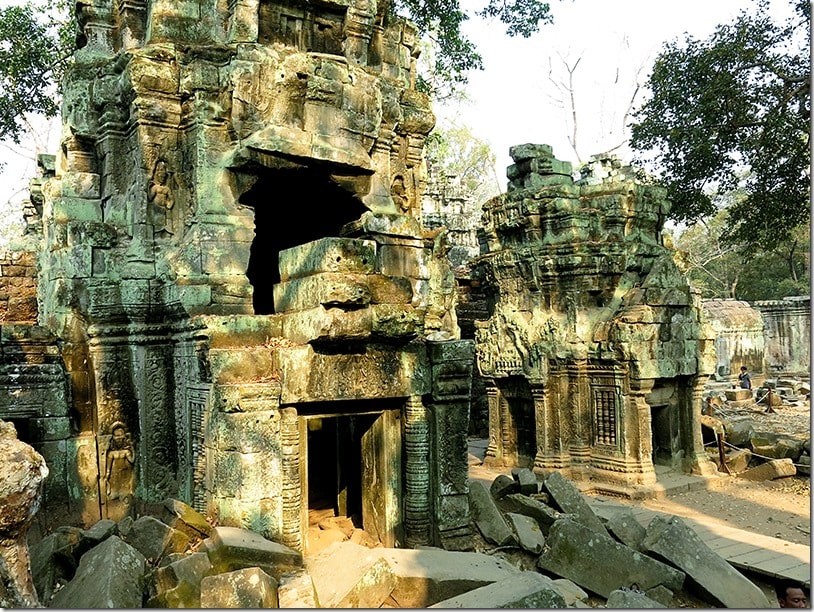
(738, 394)
(110, 575)
(524, 590)
(486, 515)
(544, 514)
(502, 486)
(736, 461)
(661, 594)
(709, 574)
(804, 465)
(575, 551)
(178, 584)
(738, 429)
(347, 575)
(571, 592)
(776, 468)
(783, 448)
(53, 560)
(185, 518)
(154, 539)
(233, 548)
(624, 527)
(626, 598)
(429, 575)
(568, 498)
(245, 588)
(296, 590)
(528, 532)
(527, 481)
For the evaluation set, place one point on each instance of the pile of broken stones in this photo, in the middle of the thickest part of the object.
(566, 557)
(765, 433)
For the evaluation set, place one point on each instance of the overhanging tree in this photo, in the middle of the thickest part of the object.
(732, 112)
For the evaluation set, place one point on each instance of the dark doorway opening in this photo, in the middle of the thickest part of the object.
(516, 394)
(335, 465)
(292, 207)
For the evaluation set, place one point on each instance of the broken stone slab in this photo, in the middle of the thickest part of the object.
(154, 539)
(736, 461)
(428, 575)
(185, 518)
(296, 590)
(233, 548)
(327, 255)
(738, 394)
(804, 465)
(528, 532)
(570, 500)
(524, 590)
(486, 515)
(178, 584)
(622, 525)
(53, 560)
(661, 594)
(770, 470)
(347, 575)
(670, 539)
(627, 598)
(783, 448)
(250, 587)
(502, 486)
(544, 514)
(571, 592)
(575, 551)
(109, 575)
(527, 481)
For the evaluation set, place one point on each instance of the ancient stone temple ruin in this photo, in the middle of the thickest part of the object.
(594, 352)
(249, 313)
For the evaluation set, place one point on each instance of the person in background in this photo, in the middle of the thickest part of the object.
(745, 379)
(790, 594)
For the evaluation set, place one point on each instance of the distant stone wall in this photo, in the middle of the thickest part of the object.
(787, 335)
(769, 337)
(18, 287)
(739, 337)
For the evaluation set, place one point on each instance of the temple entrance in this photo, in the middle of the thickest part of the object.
(516, 395)
(352, 468)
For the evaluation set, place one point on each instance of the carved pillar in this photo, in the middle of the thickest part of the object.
(495, 448)
(417, 511)
(243, 26)
(133, 22)
(292, 483)
(579, 411)
(358, 31)
(696, 460)
(546, 420)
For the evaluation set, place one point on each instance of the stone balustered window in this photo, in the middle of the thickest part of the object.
(606, 416)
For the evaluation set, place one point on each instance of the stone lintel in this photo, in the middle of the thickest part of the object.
(324, 289)
(374, 372)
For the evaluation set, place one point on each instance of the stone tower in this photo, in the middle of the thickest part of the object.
(250, 312)
(594, 351)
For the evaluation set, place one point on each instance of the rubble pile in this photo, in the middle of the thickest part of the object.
(765, 433)
(544, 548)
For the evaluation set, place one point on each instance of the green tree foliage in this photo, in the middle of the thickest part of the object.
(732, 112)
(440, 21)
(719, 269)
(35, 47)
(455, 155)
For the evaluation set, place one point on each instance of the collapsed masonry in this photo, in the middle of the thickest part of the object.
(242, 306)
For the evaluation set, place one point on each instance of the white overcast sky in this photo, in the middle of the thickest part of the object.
(512, 100)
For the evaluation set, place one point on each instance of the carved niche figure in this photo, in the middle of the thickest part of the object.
(398, 191)
(119, 461)
(160, 196)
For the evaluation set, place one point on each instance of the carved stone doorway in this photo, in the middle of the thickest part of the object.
(351, 466)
